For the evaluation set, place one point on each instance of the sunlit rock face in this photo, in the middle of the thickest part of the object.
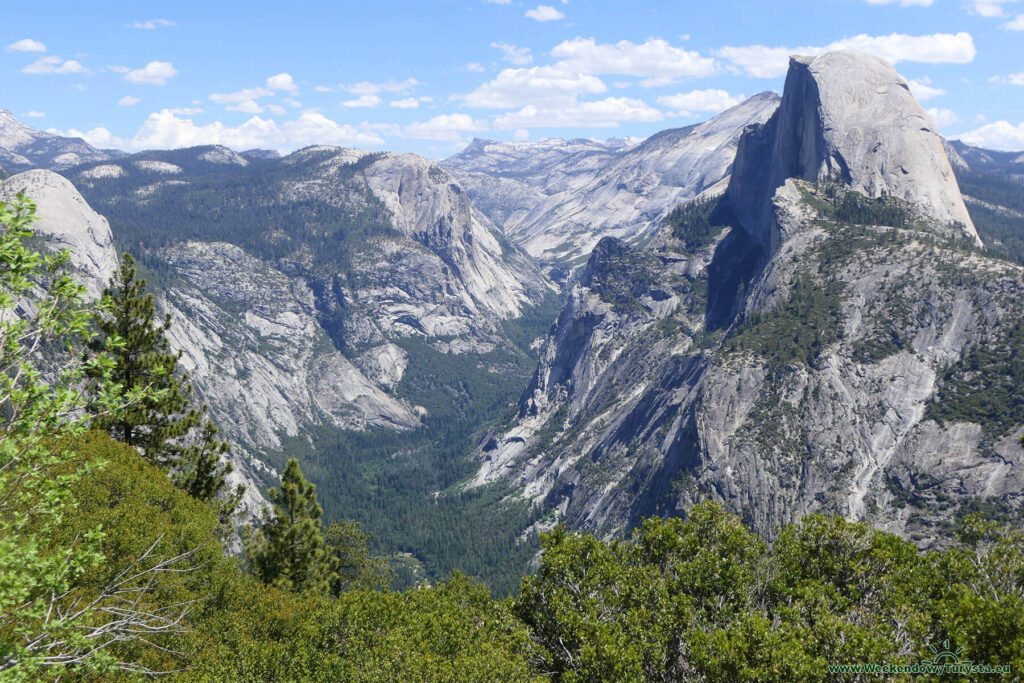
(850, 117)
(558, 198)
(67, 221)
(796, 360)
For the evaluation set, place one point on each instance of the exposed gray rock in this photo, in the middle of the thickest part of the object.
(557, 200)
(850, 117)
(68, 222)
(429, 206)
(22, 147)
(781, 374)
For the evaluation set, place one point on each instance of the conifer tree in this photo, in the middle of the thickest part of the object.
(357, 568)
(202, 472)
(289, 551)
(165, 427)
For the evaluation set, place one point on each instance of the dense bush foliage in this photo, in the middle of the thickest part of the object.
(700, 599)
(236, 628)
(707, 600)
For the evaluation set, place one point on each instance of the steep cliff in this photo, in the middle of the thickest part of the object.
(848, 117)
(66, 221)
(827, 337)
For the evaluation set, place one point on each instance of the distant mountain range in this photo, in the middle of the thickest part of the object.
(558, 198)
(787, 308)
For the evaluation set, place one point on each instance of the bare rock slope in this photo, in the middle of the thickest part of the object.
(67, 221)
(558, 199)
(808, 345)
(848, 117)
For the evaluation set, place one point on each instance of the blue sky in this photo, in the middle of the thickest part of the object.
(427, 76)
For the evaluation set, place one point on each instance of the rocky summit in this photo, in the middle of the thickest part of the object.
(848, 117)
(812, 341)
(22, 147)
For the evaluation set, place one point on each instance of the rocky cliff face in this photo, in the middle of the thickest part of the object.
(558, 201)
(839, 345)
(66, 221)
(303, 288)
(850, 118)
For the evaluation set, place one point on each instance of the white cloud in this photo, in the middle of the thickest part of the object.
(923, 89)
(1009, 79)
(34, 114)
(282, 81)
(500, 2)
(277, 109)
(150, 24)
(943, 118)
(323, 88)
(292, 102)
(27, 45)
(761, 61)
(119, 69)
(187, 111)
(154, 73)
(475, 67)
(246, 107)
(407, 103)
(1016, 24)
(606, 113)
(539, 85)
(244, 100)
(654, 59)
(79, 86)
(165, 130)
(521, 134)
(128, 100)
(368, 88)
(519, 56)
(904, 3)
(685, 104)
(989, 8)
(544, 13)
(997, 135)
(362, 101)
(55, 65)
(444, 127)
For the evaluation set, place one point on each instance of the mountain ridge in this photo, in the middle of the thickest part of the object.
(785, 358)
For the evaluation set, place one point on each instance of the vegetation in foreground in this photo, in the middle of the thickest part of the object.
(113, 567)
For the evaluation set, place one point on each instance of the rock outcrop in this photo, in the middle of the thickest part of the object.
(819, 354)
(23, 147)
(849, 117)
(66, 221)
